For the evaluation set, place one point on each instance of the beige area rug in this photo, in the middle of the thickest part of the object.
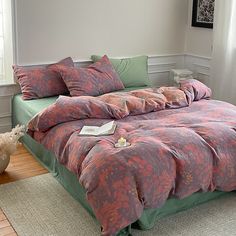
(40, 206)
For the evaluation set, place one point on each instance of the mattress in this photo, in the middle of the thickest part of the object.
(23, 111)
(26, 109)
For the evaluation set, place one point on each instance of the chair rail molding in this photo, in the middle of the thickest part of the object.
(200, 65)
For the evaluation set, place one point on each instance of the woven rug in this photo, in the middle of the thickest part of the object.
(40, 206)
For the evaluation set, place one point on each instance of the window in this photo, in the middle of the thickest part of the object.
(232, 30)
(6, 42)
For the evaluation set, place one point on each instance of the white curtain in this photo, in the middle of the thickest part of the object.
(1, 42)
(6, 42)
(223, 75)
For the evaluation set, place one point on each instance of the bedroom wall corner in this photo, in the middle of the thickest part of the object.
(198, 41)
(198, 48)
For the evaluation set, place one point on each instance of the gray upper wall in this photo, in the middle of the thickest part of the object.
(50, 30)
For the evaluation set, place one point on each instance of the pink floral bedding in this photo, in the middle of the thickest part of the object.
(178, 146)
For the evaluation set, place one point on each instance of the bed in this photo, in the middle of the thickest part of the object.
(24, 111)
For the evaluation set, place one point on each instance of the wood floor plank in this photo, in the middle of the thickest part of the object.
(2, 216)
(6, 228)
(22, 165)
(4, 223)
(6, 231)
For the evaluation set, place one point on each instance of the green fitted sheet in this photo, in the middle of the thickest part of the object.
(26, 109)
(23, 111)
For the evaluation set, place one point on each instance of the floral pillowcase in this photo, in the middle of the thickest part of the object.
(41, 82)
(195, 90)
(94, 80)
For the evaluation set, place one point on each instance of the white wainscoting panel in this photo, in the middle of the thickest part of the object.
(200, 66)
(5, 108)
(159, 68)
(5, 124)
(6, 93)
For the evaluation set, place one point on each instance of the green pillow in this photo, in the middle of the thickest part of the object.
(132, 71)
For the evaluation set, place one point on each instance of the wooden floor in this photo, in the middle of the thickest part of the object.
(22, 165)
(5, 227)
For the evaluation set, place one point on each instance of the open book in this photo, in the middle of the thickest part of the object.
(106, 129)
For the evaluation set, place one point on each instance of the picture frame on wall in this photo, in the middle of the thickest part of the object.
(203, 13)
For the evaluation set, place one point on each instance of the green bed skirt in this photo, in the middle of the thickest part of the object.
(70, 182)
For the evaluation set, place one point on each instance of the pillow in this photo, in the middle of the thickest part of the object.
(94, 80)
(132, 71)
(195, 90)
(40, 82)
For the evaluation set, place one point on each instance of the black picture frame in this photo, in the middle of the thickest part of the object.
(206, 23)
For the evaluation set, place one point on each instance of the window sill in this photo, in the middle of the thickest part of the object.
(8, 88)
(6, 83)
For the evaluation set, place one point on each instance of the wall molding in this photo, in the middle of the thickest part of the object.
(88, 61)
(8, 90)
(5, 127)
(200, 65)
(159, 67)
(5, 115)
(197, 56)
(5, 123)
(6, 93)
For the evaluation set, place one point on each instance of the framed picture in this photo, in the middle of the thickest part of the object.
(203, 13)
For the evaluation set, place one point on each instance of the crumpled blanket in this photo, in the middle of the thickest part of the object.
(181, 143)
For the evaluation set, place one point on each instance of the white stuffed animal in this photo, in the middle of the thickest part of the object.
(8, 145)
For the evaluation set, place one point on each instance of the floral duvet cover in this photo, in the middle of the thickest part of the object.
(181, 143)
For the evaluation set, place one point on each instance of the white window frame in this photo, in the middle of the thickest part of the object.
(232, 30)
(8, 55)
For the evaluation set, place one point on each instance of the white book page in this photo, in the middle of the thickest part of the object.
(89, 130)
(106, 128)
